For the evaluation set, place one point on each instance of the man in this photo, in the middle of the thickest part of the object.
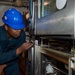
(12, 41)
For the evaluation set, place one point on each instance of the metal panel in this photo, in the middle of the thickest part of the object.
(59, 23)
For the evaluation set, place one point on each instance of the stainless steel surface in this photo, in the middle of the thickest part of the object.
(71, 65)
(58, 55)
(74, 19)
(61, 22)
(32, 60)
(33, 51)
(37, 60)
(70, 71)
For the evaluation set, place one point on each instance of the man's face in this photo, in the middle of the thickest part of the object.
(12, 33)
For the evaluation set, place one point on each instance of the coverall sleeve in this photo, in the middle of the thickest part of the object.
(10, 56)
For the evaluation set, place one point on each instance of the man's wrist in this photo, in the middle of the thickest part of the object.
(18, 51)
(4, 65)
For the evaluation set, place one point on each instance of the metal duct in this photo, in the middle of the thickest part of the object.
(61, 22)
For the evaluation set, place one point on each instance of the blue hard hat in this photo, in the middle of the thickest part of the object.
(13, 18)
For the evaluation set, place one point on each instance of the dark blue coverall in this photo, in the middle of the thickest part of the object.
(8, 51)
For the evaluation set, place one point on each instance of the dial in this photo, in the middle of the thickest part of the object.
(60, 4)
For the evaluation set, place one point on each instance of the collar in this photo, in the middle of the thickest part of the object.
(3, 33)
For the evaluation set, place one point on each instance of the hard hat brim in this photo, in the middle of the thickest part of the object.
(15, 27)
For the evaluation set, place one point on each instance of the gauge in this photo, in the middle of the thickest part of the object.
(60, 4)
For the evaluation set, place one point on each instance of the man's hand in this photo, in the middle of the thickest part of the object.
(2, 67)
(25, 46)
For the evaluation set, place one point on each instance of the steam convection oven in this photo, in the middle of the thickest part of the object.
(52, 29)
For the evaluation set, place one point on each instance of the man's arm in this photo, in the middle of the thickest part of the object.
(6, 57)
(18, 51)
(15, 52)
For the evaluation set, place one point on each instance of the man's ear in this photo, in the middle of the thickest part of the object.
(6, 27)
